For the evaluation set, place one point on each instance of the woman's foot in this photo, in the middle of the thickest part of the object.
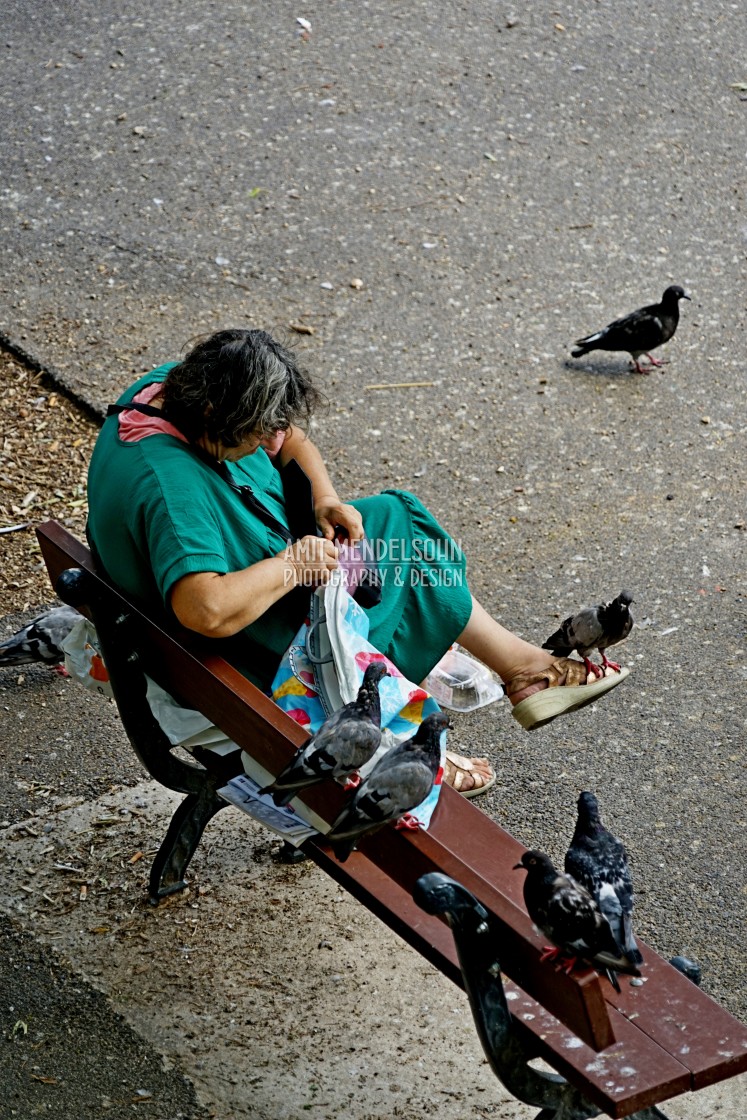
(564, 686)
(538, 685)
(468, 776)
(555, 672)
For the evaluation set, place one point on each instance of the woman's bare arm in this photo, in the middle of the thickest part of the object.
(218, 606)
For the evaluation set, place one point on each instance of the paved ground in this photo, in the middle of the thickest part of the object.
(500, 182)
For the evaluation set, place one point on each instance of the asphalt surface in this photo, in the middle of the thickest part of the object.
(500, 182)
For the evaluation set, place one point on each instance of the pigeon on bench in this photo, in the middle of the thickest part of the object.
(598, 861)
(640, 332)
(567, 914)
(345, 742)
(399, 781)
(594, 628)
(40, 641)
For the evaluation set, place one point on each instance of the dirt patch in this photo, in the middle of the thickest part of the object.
(45, 445)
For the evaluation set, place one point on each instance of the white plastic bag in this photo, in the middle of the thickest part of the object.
(83, 659)
(85, 664)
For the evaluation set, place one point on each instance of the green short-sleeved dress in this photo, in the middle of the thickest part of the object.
(158, 512)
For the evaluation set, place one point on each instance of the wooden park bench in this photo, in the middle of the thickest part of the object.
(618, 1054)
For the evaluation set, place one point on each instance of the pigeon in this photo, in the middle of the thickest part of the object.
(640, 332)
(594, 628)
(598, 861)
(399, 781)
(41, 639)
(688, 968)
(345, 742)
(568, 915)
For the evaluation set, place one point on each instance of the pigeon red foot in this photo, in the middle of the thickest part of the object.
(408, 823)
(594, 670)
(562, 962)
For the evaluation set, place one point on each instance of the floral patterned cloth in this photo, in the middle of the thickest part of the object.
(308, 692)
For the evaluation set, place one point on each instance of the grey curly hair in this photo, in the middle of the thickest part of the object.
(237, 382)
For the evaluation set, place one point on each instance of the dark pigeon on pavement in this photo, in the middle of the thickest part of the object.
(567, 914)
(345, 742)
(640, 332)
(40, 641)
(399, 781)
(598, 861)
(688, 968)
(594, 628)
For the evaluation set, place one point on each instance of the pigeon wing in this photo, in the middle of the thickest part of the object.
(346, 741)
(572, 913)
(579, 632)
(386, 795)
(640, 331)
(41, 640)
(615, 896)
(350, 744)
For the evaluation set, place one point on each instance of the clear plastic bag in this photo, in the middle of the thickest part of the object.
(461, 683)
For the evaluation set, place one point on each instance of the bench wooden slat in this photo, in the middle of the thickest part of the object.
(632, 1074)
(671, 1037)
(690, 1025)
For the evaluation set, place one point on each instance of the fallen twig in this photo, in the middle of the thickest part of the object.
(401, 385)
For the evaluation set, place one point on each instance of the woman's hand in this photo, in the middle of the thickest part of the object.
(330, 511)
(310, 561)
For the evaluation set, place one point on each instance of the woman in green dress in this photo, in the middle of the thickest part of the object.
(188, 512)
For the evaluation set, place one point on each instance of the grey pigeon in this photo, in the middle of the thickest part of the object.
(640, 332)
(568, 915)
(598, 861)
(40, 641)
(594, 628)
(399, 781)
(345, 742)
(688, 968)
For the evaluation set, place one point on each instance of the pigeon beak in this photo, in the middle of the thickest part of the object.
(686, 295)
(518, 867)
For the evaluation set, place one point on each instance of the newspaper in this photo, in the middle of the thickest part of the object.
(244, 793)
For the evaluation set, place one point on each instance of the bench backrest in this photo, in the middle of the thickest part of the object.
(660, 1039)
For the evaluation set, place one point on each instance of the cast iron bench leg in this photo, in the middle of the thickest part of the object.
(129, 684)
(476, 947)
(181, 840)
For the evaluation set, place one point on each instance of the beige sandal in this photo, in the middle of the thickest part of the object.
(460, 772)
(566, 691)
